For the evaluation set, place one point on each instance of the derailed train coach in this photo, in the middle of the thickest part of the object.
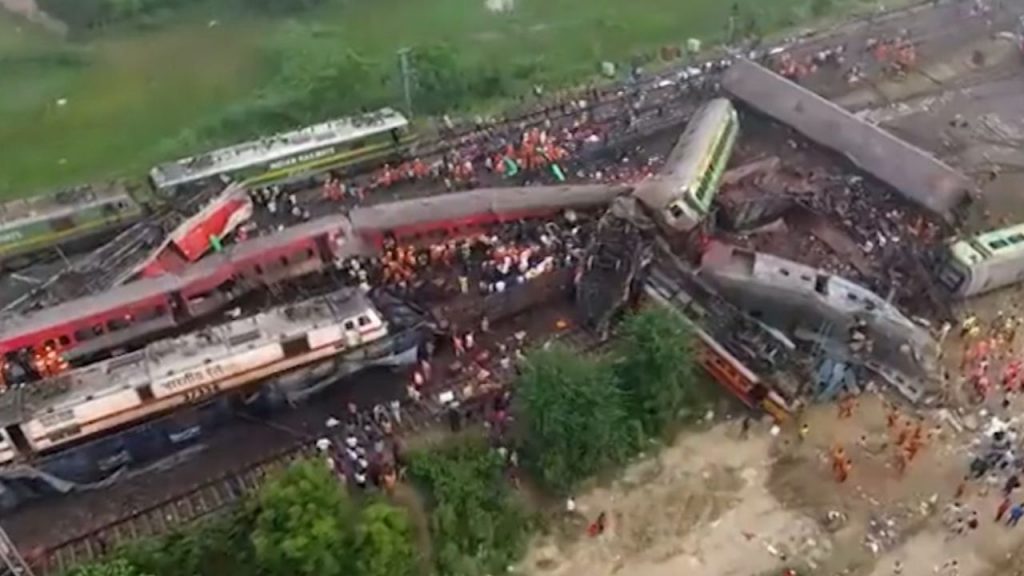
(87, 328)
(84, 426)
(841, 316)
(982, 263)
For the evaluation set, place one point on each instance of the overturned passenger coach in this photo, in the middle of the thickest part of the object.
(84, 425)
(915, 174)
(823, 308)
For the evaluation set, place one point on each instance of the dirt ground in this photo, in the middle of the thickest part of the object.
(716, 504)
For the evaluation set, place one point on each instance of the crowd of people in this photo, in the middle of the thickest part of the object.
(895, 55)
(462, 380)
(490, 262)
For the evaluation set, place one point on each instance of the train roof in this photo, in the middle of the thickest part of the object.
(61, 203)
(500, 201)
(276, 147)
(686, 156)
(991, 244)
(141, 290)
(166, 358)
(800, 279)
(916, 174)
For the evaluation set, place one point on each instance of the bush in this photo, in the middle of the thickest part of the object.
(116, 567)
(218, 547)
(654, 368)
(476, 526)
(384, 542)
(574, 416)
(304, 524)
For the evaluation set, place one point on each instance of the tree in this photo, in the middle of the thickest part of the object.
(475, 525)
(384, 542)
(442, 82)
(574, 417)
(304, 524)
(654, 367)
(116, 567)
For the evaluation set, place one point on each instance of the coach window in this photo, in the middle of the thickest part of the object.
(50, 343)
(1016, 238)
(821, 284)
(350, 325)
(64, 340)
(997, 244)
(150, 314)
(84, 335)
(116, 324)
(284, 260)
(784, 272)
(259, 270)
(364, 321)
(310, 253)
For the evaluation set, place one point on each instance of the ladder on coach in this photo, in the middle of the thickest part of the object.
(14, 564)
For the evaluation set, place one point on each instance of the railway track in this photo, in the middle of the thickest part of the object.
(219, 493)
(216, 494)
(104, 267)
(99, 271)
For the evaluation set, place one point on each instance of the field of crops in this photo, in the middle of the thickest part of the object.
(114, 101)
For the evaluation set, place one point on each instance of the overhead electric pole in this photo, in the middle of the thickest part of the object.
(406, 71)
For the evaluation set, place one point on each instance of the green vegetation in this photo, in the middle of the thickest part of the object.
(580, 416)
(583, 415)
(117, 567)
(143, 81)
(475, 524)
(654, 369)
(574, 415)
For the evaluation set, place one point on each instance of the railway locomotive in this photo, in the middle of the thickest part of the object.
(678, 200)
(282, 158)
(74, 218)
(89, 328)
(89, 214)
(982, 263)
(110, 411)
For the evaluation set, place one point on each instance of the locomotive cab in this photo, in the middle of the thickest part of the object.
(952, 275)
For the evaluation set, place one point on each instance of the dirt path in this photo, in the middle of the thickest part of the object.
(702, 506)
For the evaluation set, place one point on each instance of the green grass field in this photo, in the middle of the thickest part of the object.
(130, 93)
